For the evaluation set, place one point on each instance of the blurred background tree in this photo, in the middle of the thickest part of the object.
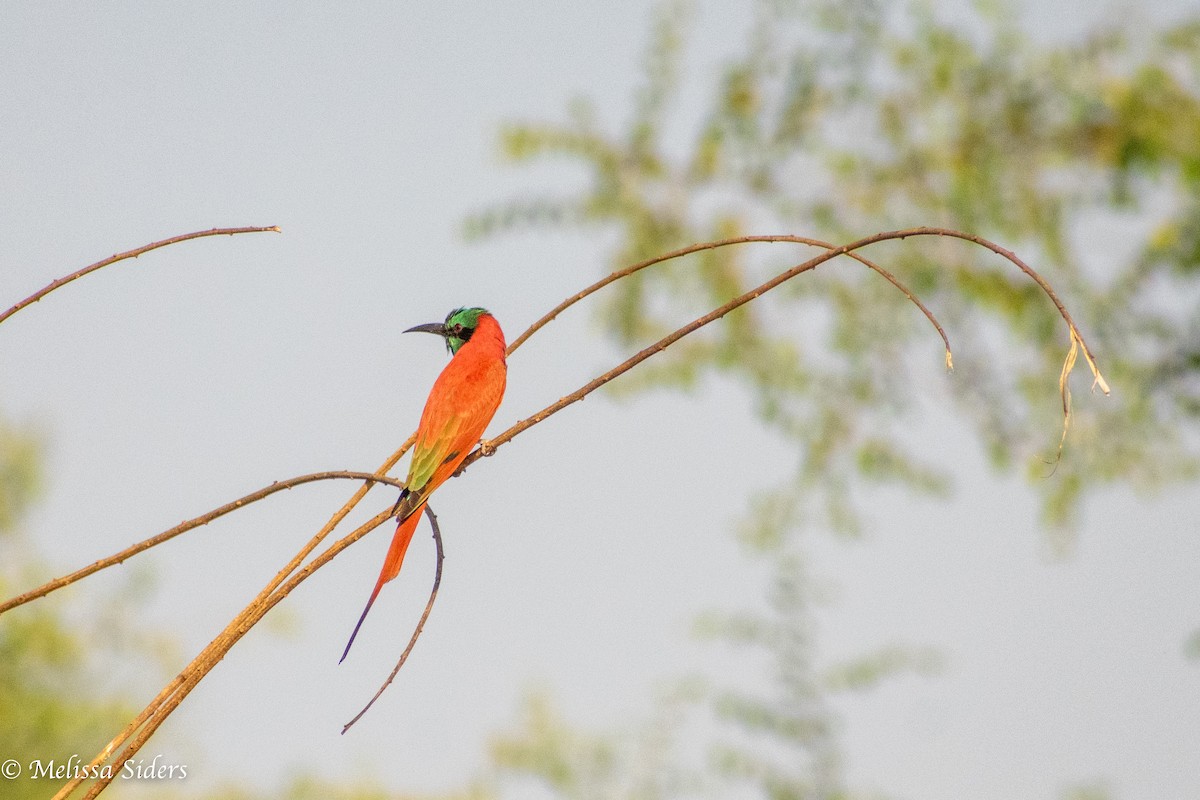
(846, 118)
(841, 119)
(43, 650)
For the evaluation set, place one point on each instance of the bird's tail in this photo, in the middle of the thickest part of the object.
(391, 565)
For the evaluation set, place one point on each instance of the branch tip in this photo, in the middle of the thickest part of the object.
(60, 282)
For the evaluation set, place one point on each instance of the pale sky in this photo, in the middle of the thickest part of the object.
(579, 555)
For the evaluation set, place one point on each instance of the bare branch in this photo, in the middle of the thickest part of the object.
(63, 281)
(696, 248)
(183, 527)
(490, 445)
(437, 582)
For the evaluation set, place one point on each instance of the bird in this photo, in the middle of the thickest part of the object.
(462, 402)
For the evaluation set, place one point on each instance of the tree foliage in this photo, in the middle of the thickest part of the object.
(842, 118)
(18, 475)
(58, 686)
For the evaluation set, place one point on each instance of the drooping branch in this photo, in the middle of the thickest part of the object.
(437, 582)
(617, 275)
(489, 447)
(137, 251)
(1076, 336)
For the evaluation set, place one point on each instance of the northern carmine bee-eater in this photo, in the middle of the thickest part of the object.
(460, 405)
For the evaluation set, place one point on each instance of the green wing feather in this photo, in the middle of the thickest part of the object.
(429, 455)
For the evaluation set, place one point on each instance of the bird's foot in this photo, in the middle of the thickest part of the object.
(486, 448)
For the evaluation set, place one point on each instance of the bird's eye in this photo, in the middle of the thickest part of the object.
(457, 329)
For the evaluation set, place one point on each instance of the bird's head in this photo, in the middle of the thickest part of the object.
(457, 329)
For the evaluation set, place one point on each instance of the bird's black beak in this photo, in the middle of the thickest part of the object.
(430, 327)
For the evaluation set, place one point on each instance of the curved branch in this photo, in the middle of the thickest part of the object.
(183, 527)
(696, 248)
(1097, 378)
(412, 642)
(63, 281)
(489, 447)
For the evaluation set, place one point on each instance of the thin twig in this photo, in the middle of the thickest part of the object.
(63, 281)
(696, 248)
(437, 582)
(183, 527)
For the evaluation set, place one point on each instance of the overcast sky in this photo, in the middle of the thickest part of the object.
(578, 556)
